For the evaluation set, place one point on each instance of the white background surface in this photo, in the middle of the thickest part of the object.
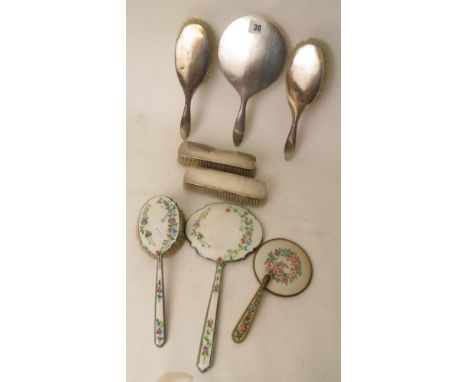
(293, 339)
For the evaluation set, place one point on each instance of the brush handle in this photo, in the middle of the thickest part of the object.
(159, 329)
(185, 122)
(290, 145)
(205, 354)
(239, 126)
(245, 322)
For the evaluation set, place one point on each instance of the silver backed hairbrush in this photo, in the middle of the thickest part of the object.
(225, 185)
(304, 77)
(200, 155)
(193, 53)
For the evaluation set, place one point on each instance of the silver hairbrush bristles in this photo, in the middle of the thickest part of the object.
(200, 155)
(225, 185)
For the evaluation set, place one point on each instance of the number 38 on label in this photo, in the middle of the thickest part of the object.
(255, 27)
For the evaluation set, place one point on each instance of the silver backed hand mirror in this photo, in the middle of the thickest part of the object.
(251, 55)
(192, 59)
(304, 76)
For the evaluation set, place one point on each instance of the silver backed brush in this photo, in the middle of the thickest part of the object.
(304, 77)
(200, 155)
(224, 185)
(193, 53)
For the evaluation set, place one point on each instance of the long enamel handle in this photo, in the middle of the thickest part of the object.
(245, 322)
(185, 122)
(239, 126)
(159, 329)
(205, 354)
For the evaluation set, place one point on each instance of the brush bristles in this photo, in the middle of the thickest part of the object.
(225, 195)
(192, 162)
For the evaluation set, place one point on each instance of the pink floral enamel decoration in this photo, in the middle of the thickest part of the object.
(160, 228)
(283, 268)
(222, 233)
(283, 265)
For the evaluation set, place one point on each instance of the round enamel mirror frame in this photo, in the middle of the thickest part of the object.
(283, 268)
(220, 232)
(161, 232)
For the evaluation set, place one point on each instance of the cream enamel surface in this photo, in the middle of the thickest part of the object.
(296, 286)
(226, 182)
(221, 230)
(293, 339)
(157, 226)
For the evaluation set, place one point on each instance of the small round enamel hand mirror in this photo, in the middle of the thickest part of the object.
(283, 268)
(222, 233)
(161, 232)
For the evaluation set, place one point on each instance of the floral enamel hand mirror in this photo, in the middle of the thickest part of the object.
(222, 233)
(283, 268)
(161, 232)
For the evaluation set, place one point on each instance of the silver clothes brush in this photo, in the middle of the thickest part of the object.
(200, 155)
(224, 185)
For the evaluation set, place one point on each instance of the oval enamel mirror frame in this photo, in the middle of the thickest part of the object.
(220, 232)
(223, 230)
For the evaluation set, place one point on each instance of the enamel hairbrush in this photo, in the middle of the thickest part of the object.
(200, 155)
(225, 185)
(161, 229)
